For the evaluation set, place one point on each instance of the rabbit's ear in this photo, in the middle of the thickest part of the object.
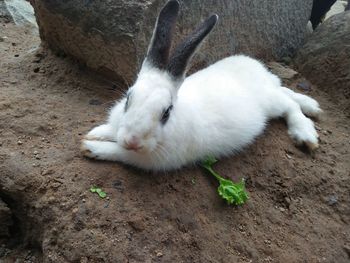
(158, 51)
(184, 52)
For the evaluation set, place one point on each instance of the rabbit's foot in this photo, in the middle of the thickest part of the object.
(304, 134)
(103, 132)
(309, 106)
(101, 150)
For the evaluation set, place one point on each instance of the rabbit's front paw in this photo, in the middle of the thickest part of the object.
(88, 150)
(101, 150)
(101, 133)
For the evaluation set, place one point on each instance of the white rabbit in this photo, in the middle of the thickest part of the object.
(167, 121)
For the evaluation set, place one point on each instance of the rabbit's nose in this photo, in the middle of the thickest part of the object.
(132, 143)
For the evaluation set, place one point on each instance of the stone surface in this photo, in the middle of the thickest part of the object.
(282, 71)
(4, 13)
(21, 12)
(17, 11)
(325, 58)
(337, 8)
(112, 36)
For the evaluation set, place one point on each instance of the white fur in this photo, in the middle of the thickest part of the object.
(217, 111)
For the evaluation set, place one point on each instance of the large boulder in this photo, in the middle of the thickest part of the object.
(325, 58)
(112, 36)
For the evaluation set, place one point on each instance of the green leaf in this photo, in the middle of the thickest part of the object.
(233, 193)
(93, 189)
(208, 162)
(102, 194)
(99, 191)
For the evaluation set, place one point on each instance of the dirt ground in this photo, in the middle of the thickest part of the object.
(298, 211)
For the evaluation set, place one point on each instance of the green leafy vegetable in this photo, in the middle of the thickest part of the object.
(99, 191)
(233, 193)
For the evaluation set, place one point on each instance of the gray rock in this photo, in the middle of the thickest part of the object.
(21, 12)
(112, 36)
(337, 8)
(332, 200)
(304, 86)
(325, 58)
(4, 13)
(17, 11)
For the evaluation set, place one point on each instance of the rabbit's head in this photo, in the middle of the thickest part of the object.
(152, 99)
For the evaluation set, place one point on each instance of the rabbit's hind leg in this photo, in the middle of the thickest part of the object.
(309, 106)
(300, 128)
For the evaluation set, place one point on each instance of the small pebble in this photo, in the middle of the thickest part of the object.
(159, 254)
(268, 242)
(332, 200)
(305, 86)
(117, 184)
(19, 142)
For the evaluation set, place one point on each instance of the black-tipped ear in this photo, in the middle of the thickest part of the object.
(183, 53)
(158, 51)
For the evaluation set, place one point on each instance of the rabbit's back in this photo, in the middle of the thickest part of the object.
(233, 74)
(227, 100)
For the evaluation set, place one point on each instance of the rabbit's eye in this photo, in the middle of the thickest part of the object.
(127, 103)
(166, 115)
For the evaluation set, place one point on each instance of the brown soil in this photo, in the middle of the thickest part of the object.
(298, 209)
